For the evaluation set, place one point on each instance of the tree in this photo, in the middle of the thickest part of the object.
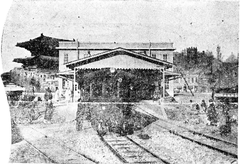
(231, 59)
(219, 54)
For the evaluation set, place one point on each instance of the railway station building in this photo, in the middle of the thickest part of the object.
(123, 71)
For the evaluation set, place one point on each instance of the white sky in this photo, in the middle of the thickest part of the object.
(203, 24)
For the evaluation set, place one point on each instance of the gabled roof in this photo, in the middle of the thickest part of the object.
(42, 45)
(41, 38)
(128, 60)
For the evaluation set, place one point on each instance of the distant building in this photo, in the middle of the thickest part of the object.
(192, 81)
(40, 69)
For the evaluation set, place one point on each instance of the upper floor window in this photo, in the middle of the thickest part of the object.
(165, 57)
(65, 58)
(145, 52)
(89, 53)
(154, 55)
(76, 87)
(166, 83)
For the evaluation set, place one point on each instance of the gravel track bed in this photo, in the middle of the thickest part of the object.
(184, 132)
(176, 150)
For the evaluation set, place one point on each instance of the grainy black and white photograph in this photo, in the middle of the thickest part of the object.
(120, 81)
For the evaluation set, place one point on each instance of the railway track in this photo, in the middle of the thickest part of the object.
(217, 144)
(40, 152)
(128, 151)
(61, 148)
(214, 144)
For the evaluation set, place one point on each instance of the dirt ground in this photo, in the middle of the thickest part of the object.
(44, 135)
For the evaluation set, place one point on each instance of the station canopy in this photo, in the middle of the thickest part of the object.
(137, 70)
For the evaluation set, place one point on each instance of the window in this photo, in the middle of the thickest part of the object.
(89, 54)
(154, 55)
(196, 79)
(145, 52)
(166, 83)
(63, 83)
(192, 79)
(65, 58)
(165, 57)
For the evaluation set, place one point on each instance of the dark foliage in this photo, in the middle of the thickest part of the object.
(133, 85)
(117, 118)
(213, 73)
(192, 59)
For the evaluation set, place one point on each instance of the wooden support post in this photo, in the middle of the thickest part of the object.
(103, 89)
(74, 79)
(118, 89)
(90, 94)
(164, 85)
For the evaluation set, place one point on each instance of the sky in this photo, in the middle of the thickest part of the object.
(201, 24)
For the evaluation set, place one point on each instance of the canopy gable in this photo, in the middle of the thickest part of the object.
(119, 58)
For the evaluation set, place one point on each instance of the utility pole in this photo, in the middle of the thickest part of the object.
(150, 53)
(185, 81)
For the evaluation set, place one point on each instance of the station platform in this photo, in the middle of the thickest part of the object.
(150, 107)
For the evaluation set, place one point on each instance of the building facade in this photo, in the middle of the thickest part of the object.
(34, 80)
(192, 81)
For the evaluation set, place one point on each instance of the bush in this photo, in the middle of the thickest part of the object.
(28, 97)
(117, 118)
(16, 136)
(27, 112)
